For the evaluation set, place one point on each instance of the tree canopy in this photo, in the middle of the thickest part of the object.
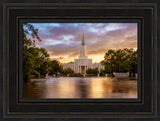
(92, 71)
(122, 60)
(68, 71)
(35, 60)
(55, 67)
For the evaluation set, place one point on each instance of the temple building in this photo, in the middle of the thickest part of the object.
(83, 63)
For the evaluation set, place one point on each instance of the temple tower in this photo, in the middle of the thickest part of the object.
(83, 63)
(83, 53)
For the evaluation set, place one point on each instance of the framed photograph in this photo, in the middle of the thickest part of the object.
(79, 60)
(66, 63)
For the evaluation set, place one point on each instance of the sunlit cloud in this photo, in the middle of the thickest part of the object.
(62, 40)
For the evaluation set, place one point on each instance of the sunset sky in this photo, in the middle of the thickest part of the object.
(63, 40)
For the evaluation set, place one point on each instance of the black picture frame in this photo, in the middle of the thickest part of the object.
(14, 107)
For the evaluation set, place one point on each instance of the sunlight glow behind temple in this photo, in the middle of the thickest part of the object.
(62, 40)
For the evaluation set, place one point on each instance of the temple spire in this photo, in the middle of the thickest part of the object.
(83, 42)
(83, 54)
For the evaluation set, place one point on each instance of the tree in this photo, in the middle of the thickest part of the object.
(30, 35)
(55, 67)
(132, 63)
(35, 62)
(43, 62)
(68, 71)
(109, 61)
(34, 58)
(92, 71)
(28, 57)
(43, 69)
(121, 60)
(120, 64)
(102, 72)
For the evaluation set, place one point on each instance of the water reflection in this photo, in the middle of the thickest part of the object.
(72, 87)
(82, 88)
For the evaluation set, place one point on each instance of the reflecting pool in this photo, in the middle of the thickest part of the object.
(76, 87)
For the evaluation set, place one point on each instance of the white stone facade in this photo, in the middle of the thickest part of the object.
(81, 64)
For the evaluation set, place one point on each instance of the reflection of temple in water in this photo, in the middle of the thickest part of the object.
(81, 64)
